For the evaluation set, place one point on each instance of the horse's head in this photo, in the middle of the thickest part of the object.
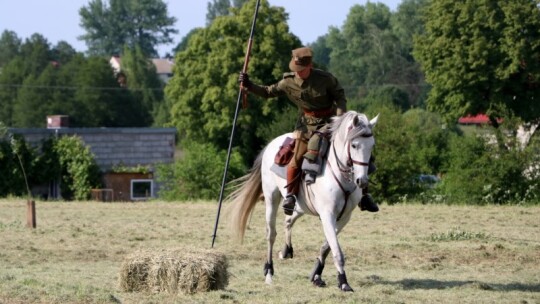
(353, 132)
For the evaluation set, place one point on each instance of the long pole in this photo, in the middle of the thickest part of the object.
(241, 94)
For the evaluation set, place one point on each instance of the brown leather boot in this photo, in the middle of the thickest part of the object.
(293, 184)
(366, 202)
(288, 204)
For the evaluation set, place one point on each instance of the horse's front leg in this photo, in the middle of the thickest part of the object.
(331, 232)
(316, 274)
(288, 252)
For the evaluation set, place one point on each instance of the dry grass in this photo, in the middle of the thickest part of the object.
(403, 254)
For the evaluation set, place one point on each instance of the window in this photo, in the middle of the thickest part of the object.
(142, 189)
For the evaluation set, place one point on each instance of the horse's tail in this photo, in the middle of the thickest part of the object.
(242, 200)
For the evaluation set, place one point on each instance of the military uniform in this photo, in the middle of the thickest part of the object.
(318, 98)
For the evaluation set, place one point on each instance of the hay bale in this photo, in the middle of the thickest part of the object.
(174, 270)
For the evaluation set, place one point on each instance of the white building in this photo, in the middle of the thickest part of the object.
(164, 67)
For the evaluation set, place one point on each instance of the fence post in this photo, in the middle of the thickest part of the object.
(31, 213)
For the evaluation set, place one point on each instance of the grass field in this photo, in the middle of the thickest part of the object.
(403, 254)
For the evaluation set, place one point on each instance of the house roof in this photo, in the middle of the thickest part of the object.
(478, 119)
(163, 66)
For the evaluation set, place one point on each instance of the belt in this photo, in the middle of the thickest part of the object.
(320, 113)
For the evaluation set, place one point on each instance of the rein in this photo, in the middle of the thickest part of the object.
(346, 171)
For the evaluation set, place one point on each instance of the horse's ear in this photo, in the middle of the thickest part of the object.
(355, 121)
(373, 121)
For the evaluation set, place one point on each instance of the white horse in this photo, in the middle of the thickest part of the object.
(333, 196)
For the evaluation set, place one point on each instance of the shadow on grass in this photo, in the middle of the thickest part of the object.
(409, 284)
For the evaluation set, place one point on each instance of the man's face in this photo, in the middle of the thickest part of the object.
(304, 74)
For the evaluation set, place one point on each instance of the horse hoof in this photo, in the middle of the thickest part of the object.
(346, 288)
(268, 279)
(284, 256)
(343, 285)
(286, 253)
(317, 281)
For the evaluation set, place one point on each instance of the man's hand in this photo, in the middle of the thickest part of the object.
(243, 79)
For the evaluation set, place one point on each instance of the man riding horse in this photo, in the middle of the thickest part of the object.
(319, 96)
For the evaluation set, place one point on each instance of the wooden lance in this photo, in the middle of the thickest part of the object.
(242, 95)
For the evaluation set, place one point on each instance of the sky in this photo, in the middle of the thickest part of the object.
(59, 20)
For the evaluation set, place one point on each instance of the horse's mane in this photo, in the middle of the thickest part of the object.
(358, 122)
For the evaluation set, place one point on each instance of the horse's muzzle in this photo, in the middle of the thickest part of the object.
(362, 182)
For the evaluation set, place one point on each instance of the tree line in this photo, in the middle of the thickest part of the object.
(394, 63)
(41, 80)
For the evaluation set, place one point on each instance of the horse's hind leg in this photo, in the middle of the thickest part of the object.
(288, 252)
(272, 204)
(316, 274)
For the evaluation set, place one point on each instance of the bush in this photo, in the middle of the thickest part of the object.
(199, 174)
(479, 172)
(79, 171)
(407, 145)
(66, 158)
(12, 177)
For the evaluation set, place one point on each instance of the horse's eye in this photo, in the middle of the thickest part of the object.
(354, 146)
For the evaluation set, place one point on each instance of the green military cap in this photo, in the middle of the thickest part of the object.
(301, 58)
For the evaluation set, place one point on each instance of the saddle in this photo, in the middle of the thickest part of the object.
(311, 169)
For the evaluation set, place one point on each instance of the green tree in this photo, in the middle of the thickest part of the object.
(406, 24)
(23, 74)
(91, 96)
(11, 79)
(100, 100)
(36, 53)
(204, 89)
(385, 95)
(218, 8)
(367, 52)
(182, 45)
(321, 52)
(10, 45)
(34, 99)
(62, 98)
(364, 57)
(41, 81)
(143, 82)
(63, 52)
(126, 22)
(481, 56)
(215, 9)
